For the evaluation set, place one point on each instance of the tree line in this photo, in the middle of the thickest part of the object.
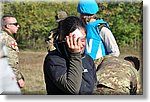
(38, 18)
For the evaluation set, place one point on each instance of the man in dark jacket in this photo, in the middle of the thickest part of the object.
(67, 70)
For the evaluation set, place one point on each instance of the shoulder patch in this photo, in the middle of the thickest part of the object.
(14, 44)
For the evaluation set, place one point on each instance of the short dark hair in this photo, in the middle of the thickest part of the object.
(4, 17)
(68, 25)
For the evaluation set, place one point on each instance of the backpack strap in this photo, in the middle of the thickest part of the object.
(100, 26)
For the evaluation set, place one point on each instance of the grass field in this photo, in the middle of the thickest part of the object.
(31, 65)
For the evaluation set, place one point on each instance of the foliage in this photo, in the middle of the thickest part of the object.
(38, 18)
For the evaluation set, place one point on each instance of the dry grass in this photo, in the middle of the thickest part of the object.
(31, 65)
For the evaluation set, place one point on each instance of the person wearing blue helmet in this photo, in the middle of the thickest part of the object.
(87, 7)
(100, 40)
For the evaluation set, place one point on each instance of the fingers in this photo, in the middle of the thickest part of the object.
(67, 40)
(71, 40)
(74, 40)
(78, 42)
(73, 43)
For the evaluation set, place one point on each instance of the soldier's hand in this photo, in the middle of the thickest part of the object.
(21, 83)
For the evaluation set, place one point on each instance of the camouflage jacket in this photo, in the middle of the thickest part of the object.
(116, 76)
(8, 83)
(13, 51)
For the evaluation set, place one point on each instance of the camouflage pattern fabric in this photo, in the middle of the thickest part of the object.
(3, 52)
(13, 51)
(98, 61)
(116, 76)
(60, 15)
(50, 40)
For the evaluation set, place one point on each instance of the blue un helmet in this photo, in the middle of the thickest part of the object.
(87, 7)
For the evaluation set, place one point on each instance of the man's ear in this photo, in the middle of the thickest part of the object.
(6, 26)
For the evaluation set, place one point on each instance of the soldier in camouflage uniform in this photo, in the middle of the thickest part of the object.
(117, 76)
(9, 28)
(60, 15)
(8, 83)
